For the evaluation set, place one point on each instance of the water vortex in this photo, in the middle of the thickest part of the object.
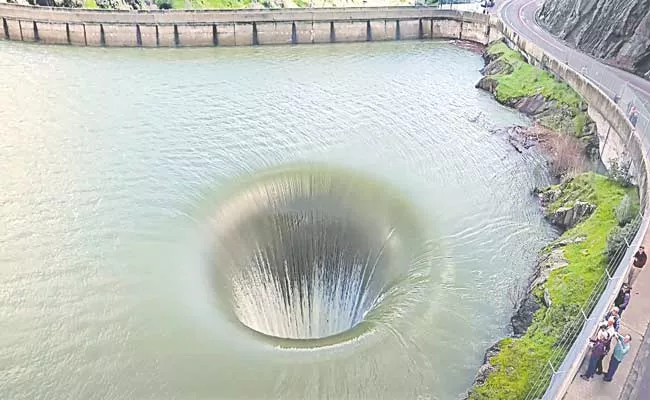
(305, 252)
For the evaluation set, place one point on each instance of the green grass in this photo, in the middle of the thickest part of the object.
(520, 360)
(203, 4)
(90, 4)
(527, 80)
(301, 3)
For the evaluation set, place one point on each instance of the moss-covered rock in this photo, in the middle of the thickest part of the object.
(535, 92)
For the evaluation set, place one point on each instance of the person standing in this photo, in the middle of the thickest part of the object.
(614, 313)
(623, 299)
(610, 332)
(640, 258)
(620, 350)
(597, 352)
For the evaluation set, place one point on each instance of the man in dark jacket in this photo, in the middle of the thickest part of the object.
(640, 259)
(623, 299)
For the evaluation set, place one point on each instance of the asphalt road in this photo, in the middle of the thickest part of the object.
(520, 16)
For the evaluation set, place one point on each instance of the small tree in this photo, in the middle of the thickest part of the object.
(619, 171)
(164, 4)
(625, 211)
(618, 239)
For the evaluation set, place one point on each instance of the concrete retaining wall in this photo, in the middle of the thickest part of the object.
(195, 28)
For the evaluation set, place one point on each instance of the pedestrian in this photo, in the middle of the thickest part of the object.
(597, 352)
(610, 332)
(620, 350)
(640, 258)
(614, 314)
(623, 299)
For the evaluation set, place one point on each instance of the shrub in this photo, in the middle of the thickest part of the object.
(164, 4)
(618, 239)
(619, 171)
(568, 157)
(625, 210)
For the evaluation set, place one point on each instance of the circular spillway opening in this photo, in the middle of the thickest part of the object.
(306, 252)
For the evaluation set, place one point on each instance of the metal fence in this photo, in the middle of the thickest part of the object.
(554, 375)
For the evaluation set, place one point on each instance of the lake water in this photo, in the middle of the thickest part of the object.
(113, 160)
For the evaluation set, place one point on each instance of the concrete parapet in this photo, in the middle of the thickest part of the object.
(166, 35)
(195, 35)
(351, 31)
(77, 34)
(245, 34)
(94, 35)
(120, 36)
(170, 28)
(276, 32)
(148, 35)
(53, 32)
(28, 31)
(444, 28)
(410, 29)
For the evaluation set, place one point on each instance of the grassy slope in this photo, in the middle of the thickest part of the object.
(527, 80)
(520, 360)
(90, 4)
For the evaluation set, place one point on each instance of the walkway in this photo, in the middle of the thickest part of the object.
(634, 373)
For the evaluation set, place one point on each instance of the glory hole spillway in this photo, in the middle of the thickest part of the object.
(307, 251)
(289, 222)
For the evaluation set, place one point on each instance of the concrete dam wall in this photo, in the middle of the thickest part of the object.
(195, 28)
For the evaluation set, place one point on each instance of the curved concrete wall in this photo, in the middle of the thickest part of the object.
(193, 28)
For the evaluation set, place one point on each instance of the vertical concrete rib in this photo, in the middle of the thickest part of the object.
(138, 35)
(177, 39)
(67, 33)
(398, 34)
(6, 28)
(368, 32)
(20, 28)
(332, 33)
(102, 36)
(36, 37)
(255, 38)
(215, 35)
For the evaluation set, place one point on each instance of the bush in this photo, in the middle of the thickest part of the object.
(619, 171)
(568, 158)
(164, 4)
(618, 239)
(625, 211)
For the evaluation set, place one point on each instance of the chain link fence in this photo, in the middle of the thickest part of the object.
(552, 376)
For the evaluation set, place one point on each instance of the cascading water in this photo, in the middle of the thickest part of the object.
(305, 252)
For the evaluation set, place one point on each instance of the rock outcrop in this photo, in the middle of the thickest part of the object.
(614, 30)
(570, 216)
(547, 112)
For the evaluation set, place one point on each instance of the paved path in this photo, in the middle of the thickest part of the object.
(632, 380)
